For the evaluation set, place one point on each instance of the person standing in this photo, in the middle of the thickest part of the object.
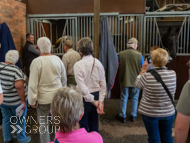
(69, 59)
(14, 88)
(182, 122)
(90, 78)
(130, 63)
(47, 74)
(29, 53)
(156, 107)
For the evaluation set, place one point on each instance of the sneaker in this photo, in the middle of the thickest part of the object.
(28, 139)
(133, 118)
(121, 119)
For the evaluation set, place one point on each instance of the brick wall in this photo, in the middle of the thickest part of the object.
(14, 14)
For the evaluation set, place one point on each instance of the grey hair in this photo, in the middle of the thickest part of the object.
(86, 46)
(44, 45)
(12, 56)
(67, 104)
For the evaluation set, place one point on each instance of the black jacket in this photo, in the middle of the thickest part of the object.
(27, 56)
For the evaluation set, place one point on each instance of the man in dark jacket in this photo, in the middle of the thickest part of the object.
(29, 53)
(130, 63)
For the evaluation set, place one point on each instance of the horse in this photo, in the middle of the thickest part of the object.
(170, 41)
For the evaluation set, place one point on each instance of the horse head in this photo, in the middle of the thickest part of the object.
(61, 41)
(170, 41)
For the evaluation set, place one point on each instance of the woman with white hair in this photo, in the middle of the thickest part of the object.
(67, 110)
(90, 78)
(47, 74)
(14, 94)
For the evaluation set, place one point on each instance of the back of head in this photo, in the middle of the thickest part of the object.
(159, 57)
(67, 104)
(86, 46)
(44, 45)
(12, 56)
(132, 42)
(68, 43)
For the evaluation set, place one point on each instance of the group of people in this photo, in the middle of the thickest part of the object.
(74, 89)
(51, 90)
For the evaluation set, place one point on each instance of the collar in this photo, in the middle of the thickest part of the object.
(164, 68)
(130, 48)
(29, 42)
(73, 133)
(87, 57)
(69, 50)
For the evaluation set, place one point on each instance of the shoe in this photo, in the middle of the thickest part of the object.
(28, 139)
(133, 118)
(121, 119)
(11, 141)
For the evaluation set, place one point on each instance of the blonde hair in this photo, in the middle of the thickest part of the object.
(67, 104)
(12, 56)
(159, 57)
(44, 44)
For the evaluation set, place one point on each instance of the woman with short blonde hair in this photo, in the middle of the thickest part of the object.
(155, 106)
(67, 110)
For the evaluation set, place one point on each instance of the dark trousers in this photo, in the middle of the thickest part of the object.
(159, 128)
(89, 120)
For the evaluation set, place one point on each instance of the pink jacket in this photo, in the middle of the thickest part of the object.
(78, 136)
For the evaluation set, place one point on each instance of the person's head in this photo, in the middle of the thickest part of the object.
(132, 43)
(153, 48)
(67, 45)
(30, 37)
(44, 45)
(67, 104)
(159, 57)
(85, 46)
(12, 56)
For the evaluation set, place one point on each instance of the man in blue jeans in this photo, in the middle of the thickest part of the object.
(130, 63)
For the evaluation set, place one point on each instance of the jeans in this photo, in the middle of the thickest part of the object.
(10, 119)
(43, 111)
(89, 120)
(134, 92)
(159, 128)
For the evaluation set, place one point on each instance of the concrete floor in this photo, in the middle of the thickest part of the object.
(111, 130)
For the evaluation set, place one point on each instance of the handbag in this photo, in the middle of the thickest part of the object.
(159, 79)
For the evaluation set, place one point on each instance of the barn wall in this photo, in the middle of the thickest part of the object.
(84, 6)
(13, 13)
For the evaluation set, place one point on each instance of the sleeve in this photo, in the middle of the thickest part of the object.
(33, 50)
(33, 84)
(1, 91)
(81, 85)
(64, 59)
(63, 75)
(142, 60)
(19, 75)
(140, 81)
(102, 83)
(183, 105)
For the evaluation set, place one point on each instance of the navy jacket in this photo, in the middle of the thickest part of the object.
(6, 42)
(107, 53)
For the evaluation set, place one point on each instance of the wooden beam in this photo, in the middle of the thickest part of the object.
(96, 27)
